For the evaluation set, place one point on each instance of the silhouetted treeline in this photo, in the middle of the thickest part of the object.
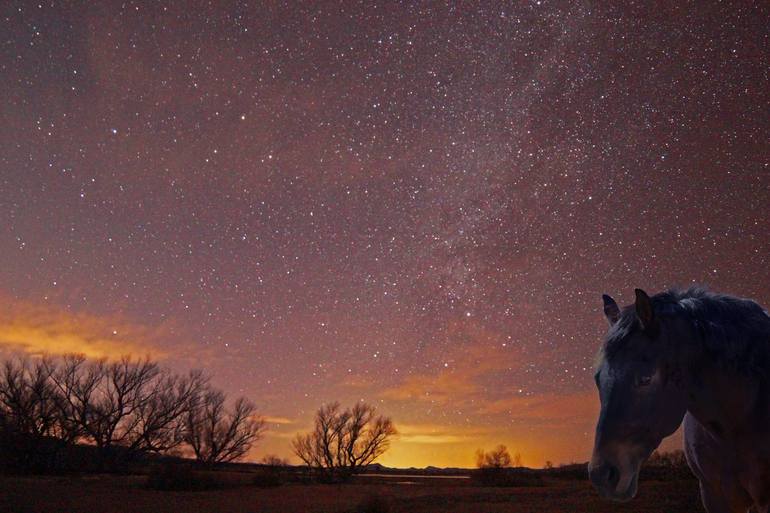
(666, 465)
(72, 413)
(661, 465)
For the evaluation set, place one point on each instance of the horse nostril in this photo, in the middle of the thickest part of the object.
(604, 476)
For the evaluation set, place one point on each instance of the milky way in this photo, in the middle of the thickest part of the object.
(418, 206)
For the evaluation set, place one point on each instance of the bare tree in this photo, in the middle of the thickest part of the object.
(124, 388)
(27, 398)
(161, 418)
(29, 424)
(271, 460)
(135, 405)
(75, 380)
(218, 435)
(498, 468)
(496, 458)
(124, 408)
(343, 441)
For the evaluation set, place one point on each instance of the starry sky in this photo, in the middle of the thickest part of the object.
(414, 204)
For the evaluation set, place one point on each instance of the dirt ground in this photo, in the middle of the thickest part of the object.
(118, 494)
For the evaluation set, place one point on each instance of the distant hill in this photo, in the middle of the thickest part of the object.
(376, 468)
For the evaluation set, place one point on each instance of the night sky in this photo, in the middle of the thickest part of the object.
(414, 205)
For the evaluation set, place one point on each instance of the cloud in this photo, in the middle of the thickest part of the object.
(434, 434)
(548, 407)
(471, 354)
(277, 420)
(438, 388)
(45, 329)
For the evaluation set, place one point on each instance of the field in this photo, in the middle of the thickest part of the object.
(375, 494)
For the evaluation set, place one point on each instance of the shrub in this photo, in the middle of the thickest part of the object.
(268, 477)
(492, 476)
(180, 476)
(666, 465)
(497, 458)
(271, 460)
(495, 469)
(576, 471)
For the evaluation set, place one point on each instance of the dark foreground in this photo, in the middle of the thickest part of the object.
(116, 494)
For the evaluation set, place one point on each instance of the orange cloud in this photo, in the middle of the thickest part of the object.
(277, 420)
(434, 434)
(439, 388)
(546, 407)
(41, 329)
(473, 353)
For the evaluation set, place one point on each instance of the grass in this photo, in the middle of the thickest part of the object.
(237, 493)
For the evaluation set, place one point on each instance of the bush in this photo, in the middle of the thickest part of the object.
(576, 471)
(271, 460)
(179, 476)
(21, 453)
(666, 465)
(490, 476)
(498, 468)
(497, 458)
(268, 478)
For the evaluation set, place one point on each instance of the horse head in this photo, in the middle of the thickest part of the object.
(641, 400)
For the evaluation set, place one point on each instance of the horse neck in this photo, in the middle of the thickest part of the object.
(722, 401)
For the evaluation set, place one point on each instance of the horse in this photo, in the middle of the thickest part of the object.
(694, 356)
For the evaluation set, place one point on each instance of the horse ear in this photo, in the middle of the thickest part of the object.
(644, 309)
(611, 310)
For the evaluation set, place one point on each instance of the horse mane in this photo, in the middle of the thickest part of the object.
(733, 332)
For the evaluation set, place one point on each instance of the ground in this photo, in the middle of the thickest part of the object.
(122, 494)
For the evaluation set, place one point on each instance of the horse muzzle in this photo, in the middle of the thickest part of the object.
(606, 477)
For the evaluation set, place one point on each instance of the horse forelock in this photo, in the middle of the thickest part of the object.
(619, 333)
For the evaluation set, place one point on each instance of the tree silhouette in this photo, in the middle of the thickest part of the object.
(217, 435)
(496, 458)
(161, 419)
(27, 398)
(343, 441)
(124, 409)
(271, 460)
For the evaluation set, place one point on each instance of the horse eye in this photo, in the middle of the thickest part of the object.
(643, 381)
